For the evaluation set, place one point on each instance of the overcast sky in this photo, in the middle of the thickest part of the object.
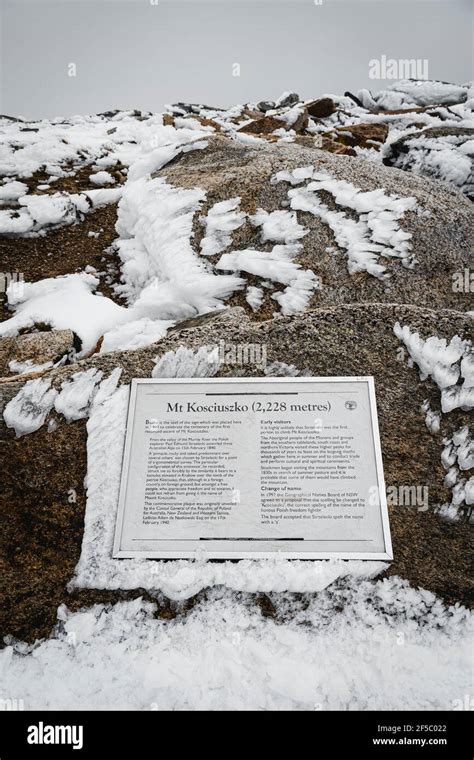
(137, 54)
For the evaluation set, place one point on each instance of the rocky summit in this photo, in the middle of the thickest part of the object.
(335, 232)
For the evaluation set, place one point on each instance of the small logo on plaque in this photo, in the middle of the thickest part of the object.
(351, 405)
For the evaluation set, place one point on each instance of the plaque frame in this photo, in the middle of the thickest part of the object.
(118, 553)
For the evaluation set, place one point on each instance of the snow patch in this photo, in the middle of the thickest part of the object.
(136, 334)
(222, 220)
(27, 411)
(254, 297)
(338, 650)
(375, 233)
(184, 362)
(102, 178)
(278, 226)
(66, 302)
(76, 395)
(276, 265)
(449, 365)
(162, 275)
(457, 458)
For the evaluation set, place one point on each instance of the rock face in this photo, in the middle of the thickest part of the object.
(265, 105)
(355, 339)
(321, 108)
(438, 226)
(37, 349)
(43, 467)
(333, 251)
(363, 135)
(266, 125)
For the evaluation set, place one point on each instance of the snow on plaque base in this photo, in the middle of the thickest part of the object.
(178, 579)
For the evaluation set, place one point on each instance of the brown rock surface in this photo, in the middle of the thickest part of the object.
(363, 135)
(42, 529)
(265, 125)
(39, 348)
(442, 230)
(321, 108)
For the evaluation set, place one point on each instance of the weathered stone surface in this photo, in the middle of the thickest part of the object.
(6, 345)
(321, 108)
(332, 146)
(39, 348)
(265, 105)
(349, 331)
(442, 231)
(265, 125)
(42, 530)
(287, 99)
(262, 126)
(181, 109)
(363, 135)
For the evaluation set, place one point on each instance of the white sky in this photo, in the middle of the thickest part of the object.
(134, 54)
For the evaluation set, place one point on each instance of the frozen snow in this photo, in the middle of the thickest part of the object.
(254, 297)
(143, 144)
(162, 275)
(375, 233)
(184, 362)
(84, 140)
(450, 366)
(28, 366)
(135, 334)
(102, 178)
(359, 645)
(276, 265)
(221, 221)
(278, 226)
(66, 302)
(27, 411)
(106, 388)
(449, 158)
(425, 93)
(38, 212)
(75, 397)
(457, 458)
(282, 369)
(11, 191)
(432, 417)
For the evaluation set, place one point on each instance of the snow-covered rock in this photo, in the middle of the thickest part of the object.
(440, 153)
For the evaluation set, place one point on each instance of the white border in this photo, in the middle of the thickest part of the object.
(209, 553)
